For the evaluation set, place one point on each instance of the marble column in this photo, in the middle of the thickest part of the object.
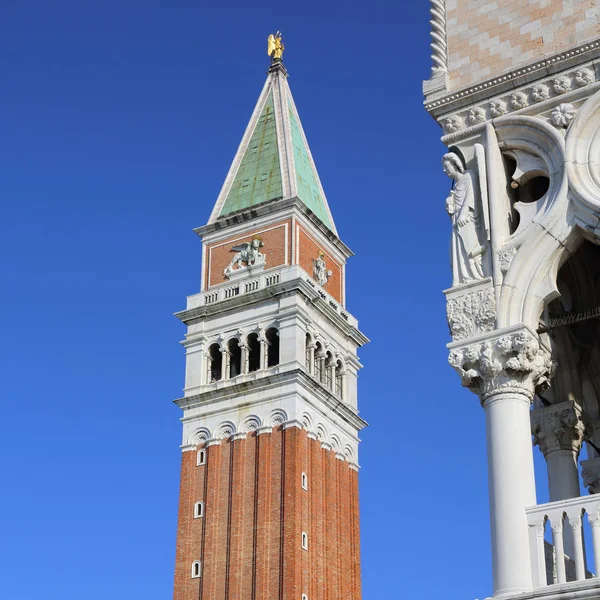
(504, 369)
(559, 431)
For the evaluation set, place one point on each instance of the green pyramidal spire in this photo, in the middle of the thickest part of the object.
(273, 160)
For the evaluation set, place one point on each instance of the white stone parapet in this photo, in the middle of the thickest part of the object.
(558, 514)
(267, 279)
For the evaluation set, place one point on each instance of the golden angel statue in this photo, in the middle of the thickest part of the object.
(275, 46)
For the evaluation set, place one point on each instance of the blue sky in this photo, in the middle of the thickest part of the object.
(119, 122)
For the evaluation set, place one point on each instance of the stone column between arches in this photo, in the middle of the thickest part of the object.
(504, 368)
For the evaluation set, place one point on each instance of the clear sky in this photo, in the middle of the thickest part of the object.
(119, 122)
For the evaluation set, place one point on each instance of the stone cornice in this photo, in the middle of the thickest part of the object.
(326, 398)
(271, 207)
(284, 288)
(513, 79)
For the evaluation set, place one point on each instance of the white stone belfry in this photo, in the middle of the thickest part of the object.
(523, 309)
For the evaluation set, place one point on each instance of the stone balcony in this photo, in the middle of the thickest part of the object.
(574, 522)
(273, 279)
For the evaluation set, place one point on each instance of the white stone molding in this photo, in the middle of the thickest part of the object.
(213, 442)
(582, 151)
(239, 435)
(512, 360)
(544, 95)
(291, 423)
(574, 57)
(471, 309)
(560, 427)
(225, 430)
(264, 429)
(590, 471)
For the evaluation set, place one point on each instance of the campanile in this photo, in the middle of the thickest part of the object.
(269, 475)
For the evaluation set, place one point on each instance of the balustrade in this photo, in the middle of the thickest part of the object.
(553, 567)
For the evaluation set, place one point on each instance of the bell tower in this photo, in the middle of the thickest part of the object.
(515, 87)
(269, 475)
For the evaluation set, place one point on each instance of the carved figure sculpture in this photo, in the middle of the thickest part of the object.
(275, 46)
(467, 246)
(248, 253)
(320, 272)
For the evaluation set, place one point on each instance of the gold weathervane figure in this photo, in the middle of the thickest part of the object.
(275, 46)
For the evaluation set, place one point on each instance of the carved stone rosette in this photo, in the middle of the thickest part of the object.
(512, 360)
(562, 426)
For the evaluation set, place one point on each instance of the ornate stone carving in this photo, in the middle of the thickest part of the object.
(590, 471)
(584, 77)
(505, 258)
(452, 124)
(246, 255)
(561, 426)
(320, 272)
(471, 314)
(476, 115)
(468, 244)
(251, 424)
(561, 84)
(518, 100)
(498, 108)
(512, 362)
(540, 92)
(562, 115)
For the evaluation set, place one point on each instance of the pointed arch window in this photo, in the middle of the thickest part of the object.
(327, 376)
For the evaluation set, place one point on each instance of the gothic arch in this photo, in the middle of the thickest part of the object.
(546, 235)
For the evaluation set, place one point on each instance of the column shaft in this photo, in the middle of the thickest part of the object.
(512, 489)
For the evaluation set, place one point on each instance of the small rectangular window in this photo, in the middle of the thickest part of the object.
(304, 541)
(304, 481)
(198, 510)
(201, 458)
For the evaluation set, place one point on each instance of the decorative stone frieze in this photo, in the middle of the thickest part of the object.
(471, 309)
(562, 426)
(512, 360)
(590, 471)
(537, 93)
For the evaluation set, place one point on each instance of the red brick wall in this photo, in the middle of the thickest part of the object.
(219, 255)
(308, 250)
(255, 511)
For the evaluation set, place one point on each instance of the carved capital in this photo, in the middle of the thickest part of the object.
(512, 360)
(562, 426)
(590, 471)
